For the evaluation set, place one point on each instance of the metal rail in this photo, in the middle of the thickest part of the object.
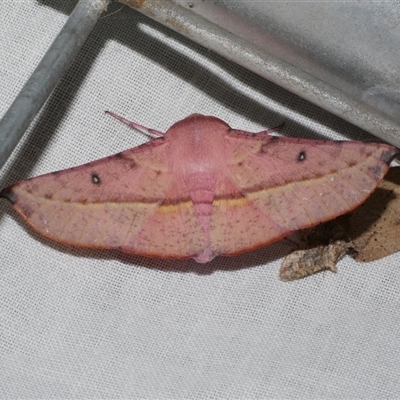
(182, 19)
(47, 74)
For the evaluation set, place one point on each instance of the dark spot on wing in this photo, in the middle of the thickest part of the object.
(376, 171)
(8, 194)
(127, 161)
(26, 210)
(368, 153)
(96, 179)
(302, 156)
(132, 164)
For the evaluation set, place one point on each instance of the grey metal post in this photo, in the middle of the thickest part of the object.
(47, 74)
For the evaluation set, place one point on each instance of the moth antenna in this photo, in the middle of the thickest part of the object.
(274, 129)
(152, 132)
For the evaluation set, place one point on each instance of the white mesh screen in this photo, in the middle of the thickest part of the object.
(78, 323)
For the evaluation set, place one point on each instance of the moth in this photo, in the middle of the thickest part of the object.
(201, 190)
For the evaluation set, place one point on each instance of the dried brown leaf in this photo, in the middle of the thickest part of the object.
(374, 227)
